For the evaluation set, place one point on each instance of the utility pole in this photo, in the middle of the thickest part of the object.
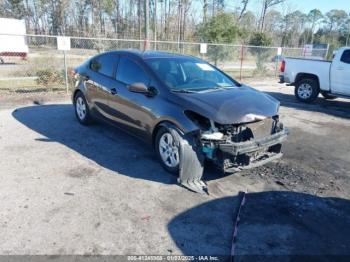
(348, 38)
(146, 24)
(155, 24)
(139, 14)
(205, 11)
(263, 12)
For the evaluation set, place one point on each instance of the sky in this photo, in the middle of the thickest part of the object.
(305, 5)
(323, 5)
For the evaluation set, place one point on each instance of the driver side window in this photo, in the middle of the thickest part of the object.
(345, 58)
(130, 72)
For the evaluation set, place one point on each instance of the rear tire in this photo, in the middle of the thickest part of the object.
(307, 90)
(81, 108)
(2, 61)
(167, 146)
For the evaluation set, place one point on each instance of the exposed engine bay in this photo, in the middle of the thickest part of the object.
(241, 146)
(232, 147)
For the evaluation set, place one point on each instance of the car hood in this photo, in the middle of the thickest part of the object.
(231, 106)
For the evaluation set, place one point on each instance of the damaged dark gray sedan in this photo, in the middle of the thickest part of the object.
(187, 109)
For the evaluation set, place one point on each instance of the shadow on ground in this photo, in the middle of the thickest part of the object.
(272, 224)
(101, 143)
(330, 107)
(107, 146)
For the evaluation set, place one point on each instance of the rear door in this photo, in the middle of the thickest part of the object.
(340, 81)
(101, 81)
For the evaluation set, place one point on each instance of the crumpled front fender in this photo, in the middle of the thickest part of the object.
(191, 161)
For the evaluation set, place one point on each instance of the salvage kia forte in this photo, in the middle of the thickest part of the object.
(187, 109)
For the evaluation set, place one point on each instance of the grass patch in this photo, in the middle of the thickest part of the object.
(27, 85)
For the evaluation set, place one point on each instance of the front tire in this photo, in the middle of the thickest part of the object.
(307, 90)
(167, 146)
(82, 111)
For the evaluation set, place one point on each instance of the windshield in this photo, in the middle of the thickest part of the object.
(189, 75)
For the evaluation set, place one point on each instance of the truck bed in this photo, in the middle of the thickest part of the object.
(296, 66)
(309, 59)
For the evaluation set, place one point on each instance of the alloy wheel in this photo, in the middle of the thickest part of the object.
(169, 151)
(305, 91)
(80, 108)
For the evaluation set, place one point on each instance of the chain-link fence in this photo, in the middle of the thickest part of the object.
(43, 68)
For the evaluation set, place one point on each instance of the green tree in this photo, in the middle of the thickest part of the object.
(12, 9)
(219, 29)
(293, 27)
(335, 20)
(259, 40)
(314, 17)
(267, 4)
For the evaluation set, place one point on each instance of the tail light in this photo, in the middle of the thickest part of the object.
(283, 66)
(72, 73)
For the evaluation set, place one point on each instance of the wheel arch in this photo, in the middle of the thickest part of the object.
(82, 89)
(165, 124)
(302, 76)
(76, 91)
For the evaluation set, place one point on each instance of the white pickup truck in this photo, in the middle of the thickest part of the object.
(311, 77)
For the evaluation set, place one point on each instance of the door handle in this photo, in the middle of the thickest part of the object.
(114, 91)
(340, 68)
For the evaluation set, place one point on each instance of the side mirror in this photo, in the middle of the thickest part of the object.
(142, 89)
(138, 88)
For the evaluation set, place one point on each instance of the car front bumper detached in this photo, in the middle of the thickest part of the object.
(231, 153)
(191, 165)
(251, 154)
(246, 146)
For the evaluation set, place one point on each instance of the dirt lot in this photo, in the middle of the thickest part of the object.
(68, 189)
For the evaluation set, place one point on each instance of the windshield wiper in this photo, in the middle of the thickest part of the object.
(213, 89)
(182, 91)
(224, 87)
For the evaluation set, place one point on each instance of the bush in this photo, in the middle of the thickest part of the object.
(48, 77)
(219, 29)
(260, 39)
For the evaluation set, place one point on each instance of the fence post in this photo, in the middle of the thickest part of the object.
(278, 59)
(65, 70)
(327, 51)
(240, 73)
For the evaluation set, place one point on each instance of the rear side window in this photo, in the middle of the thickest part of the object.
(105, 64)
(130, 72)
(346, 57)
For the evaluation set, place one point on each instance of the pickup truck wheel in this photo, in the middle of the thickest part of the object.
(307, 90)
(2, 61)
(328, 96)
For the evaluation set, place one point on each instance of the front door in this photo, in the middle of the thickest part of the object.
(340, 72)
(131, 110)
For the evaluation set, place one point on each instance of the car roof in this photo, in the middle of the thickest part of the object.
(150, 54)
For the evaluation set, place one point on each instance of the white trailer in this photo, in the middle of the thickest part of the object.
(12, 38)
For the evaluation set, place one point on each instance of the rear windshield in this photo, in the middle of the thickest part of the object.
(189, 74)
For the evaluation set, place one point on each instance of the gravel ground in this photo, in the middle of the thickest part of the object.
(68, 189)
